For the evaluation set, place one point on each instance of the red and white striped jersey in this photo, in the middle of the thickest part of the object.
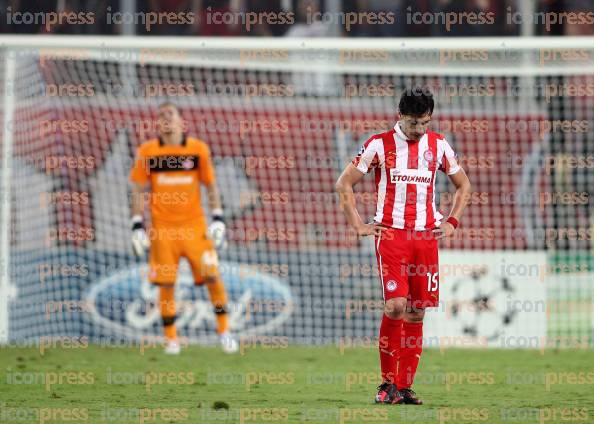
(405, 176)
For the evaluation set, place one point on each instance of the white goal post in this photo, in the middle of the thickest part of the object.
(332, 53)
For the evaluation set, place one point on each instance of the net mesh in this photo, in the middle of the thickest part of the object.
(279, 139)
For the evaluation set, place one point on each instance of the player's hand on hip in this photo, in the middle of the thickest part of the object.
(140, 240)
(444, 230)
(216, 231)
(372, 229)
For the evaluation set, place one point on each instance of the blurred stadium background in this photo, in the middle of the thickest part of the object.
(285, 92)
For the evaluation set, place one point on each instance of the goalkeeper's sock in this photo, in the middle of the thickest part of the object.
(410, 353)
(389, 339)
(167, 306)
(218, 298)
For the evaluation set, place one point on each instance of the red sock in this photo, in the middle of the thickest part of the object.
(410, 353)
(389, 339)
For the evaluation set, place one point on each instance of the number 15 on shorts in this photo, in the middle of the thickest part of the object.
(432, 281)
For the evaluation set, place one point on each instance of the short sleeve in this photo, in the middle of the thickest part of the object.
(139, 173)
(449, 162)
(368, 156)
(207, 173)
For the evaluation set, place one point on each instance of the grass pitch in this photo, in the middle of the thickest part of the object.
(290, 385)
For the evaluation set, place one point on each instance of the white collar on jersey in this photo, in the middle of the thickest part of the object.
(399, 132)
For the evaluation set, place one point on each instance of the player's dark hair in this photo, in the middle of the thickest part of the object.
(416, 101)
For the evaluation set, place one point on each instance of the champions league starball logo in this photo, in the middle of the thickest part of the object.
(481, 305)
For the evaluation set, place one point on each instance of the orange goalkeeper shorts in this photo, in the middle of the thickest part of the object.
(171, 242)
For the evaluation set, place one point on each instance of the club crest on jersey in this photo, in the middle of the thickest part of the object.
(391, 285)
(188, 164)
(428, 156)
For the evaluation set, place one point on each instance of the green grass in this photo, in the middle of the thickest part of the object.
(296, 384)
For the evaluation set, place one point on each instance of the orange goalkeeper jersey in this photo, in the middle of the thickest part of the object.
(174, 174)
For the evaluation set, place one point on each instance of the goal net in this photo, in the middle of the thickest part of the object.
(282, 118)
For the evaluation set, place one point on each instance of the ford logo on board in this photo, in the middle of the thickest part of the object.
(126, 304)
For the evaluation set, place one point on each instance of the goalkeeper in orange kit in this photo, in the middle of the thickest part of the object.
(172, 168)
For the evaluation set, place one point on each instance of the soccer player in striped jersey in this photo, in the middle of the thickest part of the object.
(407, 227)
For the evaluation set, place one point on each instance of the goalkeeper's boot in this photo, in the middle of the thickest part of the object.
(388, 393)
(410, 397)
(172, 347)
(229, 343)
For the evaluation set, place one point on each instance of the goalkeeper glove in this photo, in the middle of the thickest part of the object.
(216, 229)
(140, 240)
